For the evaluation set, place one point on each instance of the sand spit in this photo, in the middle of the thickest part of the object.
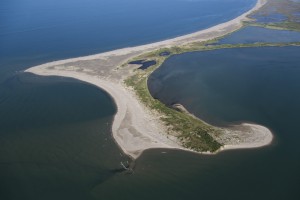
(245, 136)
(203, 35)
(135, 127)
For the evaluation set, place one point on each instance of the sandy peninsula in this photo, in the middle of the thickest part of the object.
(135, 127)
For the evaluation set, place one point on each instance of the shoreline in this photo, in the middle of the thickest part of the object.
(135, 127)
(198, 36)
(142, 119)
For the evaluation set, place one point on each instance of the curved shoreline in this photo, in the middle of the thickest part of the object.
(199, 36)
(136, 128)
(131, 119)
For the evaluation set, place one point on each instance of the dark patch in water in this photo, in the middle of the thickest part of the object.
(211, 44)
(137, 62)
(125, 167)
(118, 170)
(165, 53)
(145, 64)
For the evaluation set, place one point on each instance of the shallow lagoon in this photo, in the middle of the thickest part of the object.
(252, 34)
(259, 85)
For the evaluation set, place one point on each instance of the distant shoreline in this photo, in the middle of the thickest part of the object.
(136, 128)
(202, 35)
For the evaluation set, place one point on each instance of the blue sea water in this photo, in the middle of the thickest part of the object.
(33, 32)
(55, 133)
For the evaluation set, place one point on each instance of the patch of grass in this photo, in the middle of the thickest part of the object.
(192, 132)
(289, 26)
(286, 8)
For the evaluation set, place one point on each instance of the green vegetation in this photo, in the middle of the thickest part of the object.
(290, 26)
(289, 10)
(193, 133)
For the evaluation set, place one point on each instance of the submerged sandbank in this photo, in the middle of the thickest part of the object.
(136, 127)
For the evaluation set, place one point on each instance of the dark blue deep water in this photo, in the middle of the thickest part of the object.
(259, 85)
(55, 133)
(55, 141)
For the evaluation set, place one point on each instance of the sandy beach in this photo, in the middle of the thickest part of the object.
(136, 127)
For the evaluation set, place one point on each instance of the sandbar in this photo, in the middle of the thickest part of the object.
(135, 127)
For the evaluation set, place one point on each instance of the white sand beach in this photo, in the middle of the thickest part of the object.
(135, 127)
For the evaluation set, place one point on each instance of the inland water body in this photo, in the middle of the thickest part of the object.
(259, 85)
(252, 34)
(55, 133)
